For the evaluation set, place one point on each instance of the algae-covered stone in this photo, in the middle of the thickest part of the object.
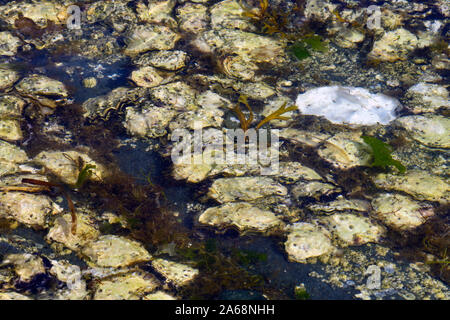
(340, 205)
(10, 158)
(115, 251)
(86, 231)
(241, 215)
(150, 37)
(419, 184)
(9, 44)
(168, 60)
(229, 14)
(10, 130)
(41, 12)
(71, 275)
(192, 17)
(176, 273)
(64, 164)
(291, 172)
(306, 240)
(130, 286)
(11, 106)
(431, 130)
(178, 95)
(30, 209)
(26, 265)
(400, 212)
(158, 12)
(353, 229)
(8, 77)
(244, 189)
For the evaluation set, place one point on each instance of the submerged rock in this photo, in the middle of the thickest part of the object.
(168, 60)
(353, 229)
(241, 215)
(341, 205)
(71, 275)
(394, 45)
(348, 105)
(10, 158)
(306, 240)
(150, 37)
(151, 122)
(115, 251)
(147, 77)
(400, 212)
(26, 265)
(313, 189)
(427, 97)
(175, 273)
(419, 184)
(9, 295)
(431, 130)
(9, 44)
(244, 189)
(10, 113)
(8, 77)
(49, 92)
(192, 17)
(130, 286)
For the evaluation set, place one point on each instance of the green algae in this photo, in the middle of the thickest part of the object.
(381, 154)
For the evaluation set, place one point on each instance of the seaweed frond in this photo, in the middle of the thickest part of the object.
(85, 174)
(277, 115)
(381, 154)
(245, 122)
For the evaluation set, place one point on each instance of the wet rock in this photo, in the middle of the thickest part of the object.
(26, 208)
(151, 122)
(400, 212)
(9, 295)
(130, 286)
(241, 215)
(64, 164)
(26, 265)
(229, 14)
(47, 91)
(175, 273)
(168, 60)
(147, 77)
(8, 77)
(419, 184)
(86, 231)
(349, 105)
(158, 12)
(244, 189)
(71, 275)
(192, 17)
(345, 150)
(9, 44)
(114, 251)
(313, 189)
(353, 229)
(150, 37)
(431, 130)
(427, 97)
(394, 45)
(306, 240)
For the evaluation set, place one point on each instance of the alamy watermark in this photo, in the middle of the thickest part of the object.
(253, 147)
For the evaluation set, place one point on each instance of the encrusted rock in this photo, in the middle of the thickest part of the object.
(9, 44)
(192, 17)
(147, 77)
(353, 229)
(419, 184)
(229, 14)
(306, 240)
(151, 122)
(71, 275)
(177, 95)
(244, 189)
(26, 265)
(47, 91)
(64, 164)
(168, 60)
(431, 130)
(41, 12)
(313, 189)
(10, 130)
(150, 37)
(394, 45)
(8, 77)
(159, 295)
(400, 212)
(10, 158)
(340, 205)
(427, 97)
(177, 274)
(130, 286)
(158, 12)
(13, 296)
(241, 215)
(30, 209)
(114, 251)
(291, 172)
(86, 231)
